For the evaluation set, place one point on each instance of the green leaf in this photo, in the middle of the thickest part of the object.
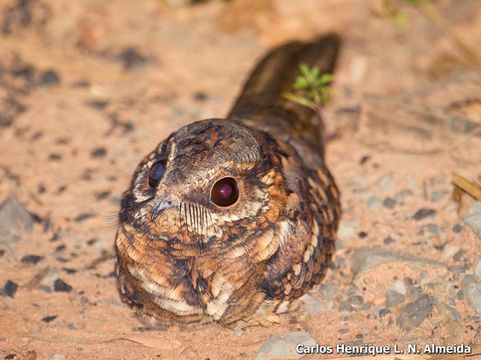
(301, 83)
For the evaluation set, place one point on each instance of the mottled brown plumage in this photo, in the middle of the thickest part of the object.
(230, 220)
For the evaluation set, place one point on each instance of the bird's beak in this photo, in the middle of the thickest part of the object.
(162, 204)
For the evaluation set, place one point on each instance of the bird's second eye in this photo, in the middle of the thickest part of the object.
(225, 192)
(156, 172)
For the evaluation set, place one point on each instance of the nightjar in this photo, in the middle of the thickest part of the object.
(233, 219)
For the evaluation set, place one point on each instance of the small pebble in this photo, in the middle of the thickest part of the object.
(473, 218)
(472, 292)
(98, 152)
(389, 203)
(49, 318)
(283, 346)
(31, 259)
(460, 255)
(386, 184)
(356, 300)
(404, 194)
(423, 213)
(384, 312)
(48, 78)
(83, 216)
(432, 228)
(345, 306)
(374, 203)
(60, 286)
(477, 269)
(132, 59)
(457, 228)
(58, 356)
(238, 332)
(449, 251)
(347, 229)
(415, 312)
(393, 298)
(437, 195)
(200, 96)
(389, 240)
(9, 289)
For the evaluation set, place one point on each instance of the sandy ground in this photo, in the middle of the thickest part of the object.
(88, 88)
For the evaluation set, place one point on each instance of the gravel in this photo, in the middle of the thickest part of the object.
(393, 298)
(14, 219)
(60, 286)
(424, 213)
(415, 312)
(389, 203)
(284, 346)
(366, 258)
(473, 218)
(9, 289)
(472, 292)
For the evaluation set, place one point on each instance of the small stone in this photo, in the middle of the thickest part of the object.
(473, 218)
(400, 287)
(389, 203)
(389, 240)
(283, 346)
(31, 259)
(432, 228)
(200, 96)
(449, 251)
(374, 203)
(356, 300)
(384, 312)
(48, 78)
(451, 312)
(132, 59)
(424, 213)
(362, 234)
(345, 306)
(477, 269)
(58, 356)
(460, 255)
(415, 312)
(437, 195)
(311, 305)
(98, 152)
(14, 219)
(472, 292)
(49, 318)
(55, 157)
(238, 332)
(386, 184)
(9, 289)
(347, 229)
(83, 216)
(393, 298)
(457, 228)
(365, 258)
(60, 286)
(328, 292)
(404, 194)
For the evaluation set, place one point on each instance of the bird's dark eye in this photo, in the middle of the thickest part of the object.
(225, 192)
(156, 172)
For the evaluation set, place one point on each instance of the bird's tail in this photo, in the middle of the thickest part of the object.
(262, 98)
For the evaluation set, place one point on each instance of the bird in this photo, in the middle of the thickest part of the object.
(232, 220)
